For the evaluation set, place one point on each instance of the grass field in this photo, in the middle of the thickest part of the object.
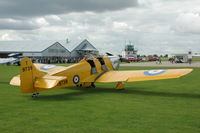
(164, 106)
(196, 59)
(193, 59)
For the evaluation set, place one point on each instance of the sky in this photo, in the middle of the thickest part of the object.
(153, 26)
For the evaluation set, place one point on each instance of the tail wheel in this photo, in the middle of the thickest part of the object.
(34, 95)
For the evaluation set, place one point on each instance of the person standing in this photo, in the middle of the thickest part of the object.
(159, 60)
(190, 57)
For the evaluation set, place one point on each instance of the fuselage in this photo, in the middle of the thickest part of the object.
(86, 71)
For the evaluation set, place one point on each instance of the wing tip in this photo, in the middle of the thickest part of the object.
(186, 71)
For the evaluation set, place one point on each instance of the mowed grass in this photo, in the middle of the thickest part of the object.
(196, 59)
(164, 106)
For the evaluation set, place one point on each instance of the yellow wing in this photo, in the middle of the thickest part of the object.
(141, 75)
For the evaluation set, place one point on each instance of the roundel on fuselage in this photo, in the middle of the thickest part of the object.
(76, 79)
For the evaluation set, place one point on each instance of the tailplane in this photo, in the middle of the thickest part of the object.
(32, 80)
(27, 77)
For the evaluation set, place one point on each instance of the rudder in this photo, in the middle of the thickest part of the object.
(27, 76)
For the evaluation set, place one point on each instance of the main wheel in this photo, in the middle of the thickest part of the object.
(34, 95)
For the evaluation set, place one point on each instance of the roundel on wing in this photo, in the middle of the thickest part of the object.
(47, 67)
(154, 72)
(76, 79)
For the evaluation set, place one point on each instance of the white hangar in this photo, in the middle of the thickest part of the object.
(38, 51)
(34, 48)
(47, 51)
(83, 49)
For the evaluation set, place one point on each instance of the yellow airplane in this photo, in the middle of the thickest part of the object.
(35, 78)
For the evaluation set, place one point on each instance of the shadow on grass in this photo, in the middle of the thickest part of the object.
(89, 91)
(6, 83)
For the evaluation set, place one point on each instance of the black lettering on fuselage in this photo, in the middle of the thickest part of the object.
(28, 68)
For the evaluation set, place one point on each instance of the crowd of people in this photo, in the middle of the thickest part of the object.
(54, 60)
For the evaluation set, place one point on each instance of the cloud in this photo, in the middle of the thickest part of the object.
(188, 22)
(121, 26)
(15, 24)
(8, 37)
(27, 8)
(154, 26)
(5, 37)
(41, 22)
(54, 18)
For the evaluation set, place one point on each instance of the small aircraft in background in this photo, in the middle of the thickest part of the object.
(35, 78)
(11, 59)
(7, 60)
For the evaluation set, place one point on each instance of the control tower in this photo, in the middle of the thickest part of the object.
(129, 51)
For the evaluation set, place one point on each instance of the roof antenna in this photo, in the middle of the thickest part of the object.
(67, 41)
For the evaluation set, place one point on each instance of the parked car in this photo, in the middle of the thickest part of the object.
(152, 59)
(133, 59)
(124, 60)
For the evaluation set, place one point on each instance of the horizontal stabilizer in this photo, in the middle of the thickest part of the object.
(15, 81)
(48, 82)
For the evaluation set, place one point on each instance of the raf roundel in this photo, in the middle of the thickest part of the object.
(76, 79)
(47, 67)
(154, 72)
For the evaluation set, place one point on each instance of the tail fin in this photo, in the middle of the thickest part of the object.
(27, 76)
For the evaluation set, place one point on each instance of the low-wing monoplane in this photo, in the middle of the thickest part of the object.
(7, 60)
(35, 78)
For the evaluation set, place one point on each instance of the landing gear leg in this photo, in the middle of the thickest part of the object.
(37, 94)
(93, 85)
(80, 85)
(120, 86)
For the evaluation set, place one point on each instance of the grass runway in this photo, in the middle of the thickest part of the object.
(164, 106)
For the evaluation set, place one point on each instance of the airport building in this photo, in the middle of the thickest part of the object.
(46, 51)
(129, 51)
(85, 48)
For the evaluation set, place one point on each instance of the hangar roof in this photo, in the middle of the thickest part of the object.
(85, 45)
(39, 46)
(25, 46)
